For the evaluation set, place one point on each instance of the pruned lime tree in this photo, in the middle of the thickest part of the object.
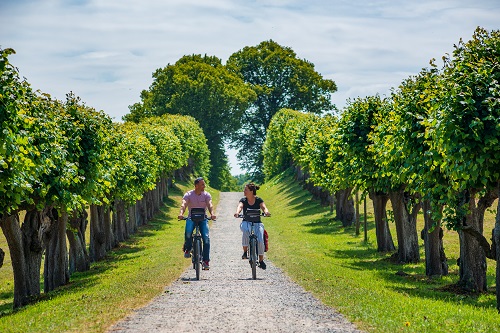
(28, 131)
(316, 155)
(402, 153)
(277, 157)
(283, 149)
(194, 145)
(464, 132)
(355, 163)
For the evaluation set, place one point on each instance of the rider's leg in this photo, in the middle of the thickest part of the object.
(205, 235)
(245, 233)
(245, 229)
(259, 231)
(188, 232)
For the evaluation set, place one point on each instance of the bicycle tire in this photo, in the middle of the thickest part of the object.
(197, 257)
(253, 256)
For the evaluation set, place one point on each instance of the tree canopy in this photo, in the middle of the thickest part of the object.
(201, 87)
(280, 80)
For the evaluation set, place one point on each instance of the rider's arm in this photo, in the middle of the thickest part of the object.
(183, 209)
(238, 209)
(264, 209)
(211, 210)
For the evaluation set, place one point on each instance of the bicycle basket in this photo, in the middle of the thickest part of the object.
(198, 214)
(252, 215)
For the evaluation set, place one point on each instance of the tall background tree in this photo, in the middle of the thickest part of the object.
(280, 80)
(201, 87)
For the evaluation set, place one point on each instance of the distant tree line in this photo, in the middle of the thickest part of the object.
(234, 103)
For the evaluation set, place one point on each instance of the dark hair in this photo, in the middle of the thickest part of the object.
(252, 187)
(197, 180)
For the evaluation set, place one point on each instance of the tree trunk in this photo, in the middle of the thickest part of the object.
(97, 248)
(472, 262)
(109, 237)
(137, 212)
(358, 224)
(436, 263)
(34, 222)
(365, 221)
(143, 211)
(132, 220)
(151, 204)
(406, 227)
(155, 198)
(345, 207)
(147, 206)
(79, 260)
(22, 289)
(120, 229)
(2, 257)
(384, 238)
(56, 268)
(496, 251)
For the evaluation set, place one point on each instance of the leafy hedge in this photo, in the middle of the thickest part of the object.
(59, 158)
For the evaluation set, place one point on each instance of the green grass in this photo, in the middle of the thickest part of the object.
(344, 272)
(128, 278)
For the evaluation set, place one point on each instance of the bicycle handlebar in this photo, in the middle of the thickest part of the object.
(240, 216)
(186, 217)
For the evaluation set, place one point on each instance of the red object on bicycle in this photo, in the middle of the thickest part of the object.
(266, 240)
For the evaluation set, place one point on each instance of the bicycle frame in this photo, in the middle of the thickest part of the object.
(253, 243)
(197, 249)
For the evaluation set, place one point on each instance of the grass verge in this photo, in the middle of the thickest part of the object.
(128, 278)
(348, 274)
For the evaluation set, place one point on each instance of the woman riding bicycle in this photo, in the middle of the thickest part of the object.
(252, 201)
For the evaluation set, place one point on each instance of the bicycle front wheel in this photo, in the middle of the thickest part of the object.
(253, 256)
(197, 257)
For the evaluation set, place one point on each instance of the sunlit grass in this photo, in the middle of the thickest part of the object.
(345, 272)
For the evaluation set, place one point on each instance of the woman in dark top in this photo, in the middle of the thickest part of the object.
(252, 201)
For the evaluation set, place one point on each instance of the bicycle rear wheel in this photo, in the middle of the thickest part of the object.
(253, 256)
(197, 257)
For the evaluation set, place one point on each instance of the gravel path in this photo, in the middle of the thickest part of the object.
(227, 299)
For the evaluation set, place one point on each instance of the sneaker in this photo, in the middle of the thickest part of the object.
(206, 265)
(245, 255)
(262, 265)
(187, 254)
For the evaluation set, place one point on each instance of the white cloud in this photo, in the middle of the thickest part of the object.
(106, 51)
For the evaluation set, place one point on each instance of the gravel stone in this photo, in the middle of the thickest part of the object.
(227, 299)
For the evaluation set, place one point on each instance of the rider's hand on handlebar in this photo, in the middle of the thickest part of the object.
(180, 217)
(267, 214)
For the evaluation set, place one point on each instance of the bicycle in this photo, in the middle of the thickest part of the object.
(197, 216)
(253, 216)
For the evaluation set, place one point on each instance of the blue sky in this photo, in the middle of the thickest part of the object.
(106, 51)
